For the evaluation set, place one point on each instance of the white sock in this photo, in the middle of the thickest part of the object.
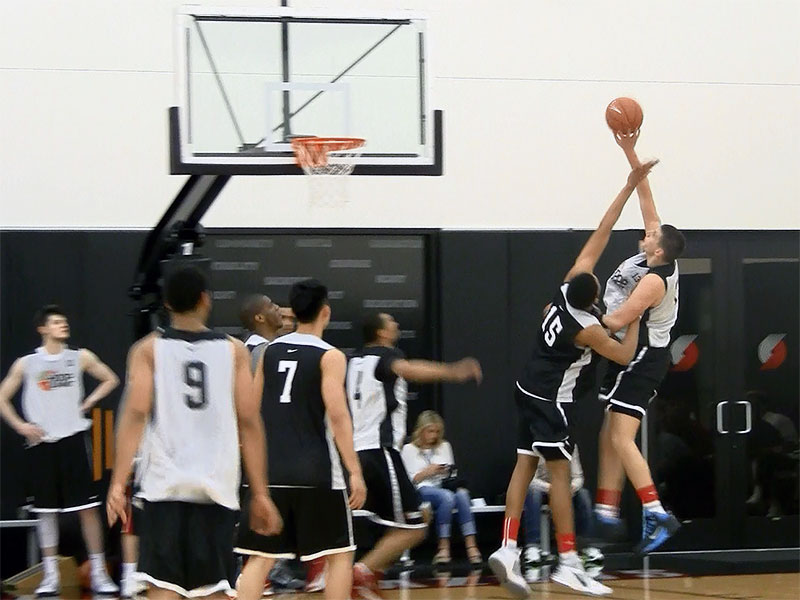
(568, 558)
(607, 510)
(50, 564)
(512, 544)
(128, 569)
(654, 506)
(98, 563)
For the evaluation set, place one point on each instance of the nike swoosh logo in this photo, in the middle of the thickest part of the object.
(290, 351)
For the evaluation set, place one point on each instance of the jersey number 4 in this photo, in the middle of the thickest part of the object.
(552, 326)
(289, 367)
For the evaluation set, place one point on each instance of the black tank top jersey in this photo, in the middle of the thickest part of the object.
(300, 447)
(559, 370)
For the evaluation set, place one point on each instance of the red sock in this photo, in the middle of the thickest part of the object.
(648, 494)
(565, 542)
(609, 498)
(510, 531)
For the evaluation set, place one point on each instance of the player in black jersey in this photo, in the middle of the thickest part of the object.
(556, 374)
(301, 381)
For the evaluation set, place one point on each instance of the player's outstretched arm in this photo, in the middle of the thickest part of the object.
(102, 373)
(646, 203)
(429, 371)
(598, 340)
(334, 367)
(647, 293)
(597, 242)
(247, 391)
(9, 386)
(136, 406)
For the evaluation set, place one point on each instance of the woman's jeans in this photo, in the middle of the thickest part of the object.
(443, 501)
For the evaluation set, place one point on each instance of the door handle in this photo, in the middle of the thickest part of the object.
(720, 406)
(748, 416)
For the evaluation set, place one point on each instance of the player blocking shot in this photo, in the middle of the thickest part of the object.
(300, 379)
(558, 374)
(191, 389)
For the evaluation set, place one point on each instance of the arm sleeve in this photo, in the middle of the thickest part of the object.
(447, 453)
(412, 461)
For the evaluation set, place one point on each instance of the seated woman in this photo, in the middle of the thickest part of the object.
(429, 462)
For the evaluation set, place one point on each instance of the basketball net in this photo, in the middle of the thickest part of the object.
(327, 162)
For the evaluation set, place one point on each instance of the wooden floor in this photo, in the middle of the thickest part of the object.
(664, 586)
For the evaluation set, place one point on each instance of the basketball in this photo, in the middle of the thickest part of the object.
(624, 115)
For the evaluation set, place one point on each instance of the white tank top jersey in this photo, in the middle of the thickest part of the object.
(656, 321)
(377, 399)
(191, 451)
(53, 393)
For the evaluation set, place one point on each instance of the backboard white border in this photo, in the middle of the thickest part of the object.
(183, 21)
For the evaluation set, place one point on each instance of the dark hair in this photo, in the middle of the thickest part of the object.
(672, 242)
(306, 299)
(41, 316)
(183, 289)
(373, 322)
(250, 308)
(582, 290)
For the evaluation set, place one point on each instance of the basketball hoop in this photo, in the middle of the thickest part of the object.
(324, 157)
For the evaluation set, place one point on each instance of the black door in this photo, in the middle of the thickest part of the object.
(762, 415)
(722, 433)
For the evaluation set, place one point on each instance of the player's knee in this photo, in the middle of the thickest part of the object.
(621, 442)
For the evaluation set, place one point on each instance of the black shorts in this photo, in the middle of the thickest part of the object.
(62, 480)
(316, 523)
(629, 389)
(543, 428)
(392, 499)
(185, 547)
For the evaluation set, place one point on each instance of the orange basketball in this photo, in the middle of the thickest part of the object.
(624, 115)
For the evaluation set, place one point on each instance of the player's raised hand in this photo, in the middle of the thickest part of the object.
(265, 518)
(468, 368)
(626, 141)
(116, 503)
(640, 172)
(358, 491)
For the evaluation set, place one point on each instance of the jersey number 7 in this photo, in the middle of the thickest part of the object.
(289, 367)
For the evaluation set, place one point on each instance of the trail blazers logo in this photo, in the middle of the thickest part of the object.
(684, 353)
(50, 380)
(772, 351)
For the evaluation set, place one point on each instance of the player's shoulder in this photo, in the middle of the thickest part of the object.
(145, 346)
(299, 340)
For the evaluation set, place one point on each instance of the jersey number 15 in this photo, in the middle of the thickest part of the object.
(551, 326)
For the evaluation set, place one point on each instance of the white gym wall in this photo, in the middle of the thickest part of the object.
(524, 84)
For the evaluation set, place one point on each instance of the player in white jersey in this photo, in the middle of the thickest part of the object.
(263, 320)
(644, 286)
(559, 373)
(192, 389)
(376, 390)
(301, 380)
(54, 427)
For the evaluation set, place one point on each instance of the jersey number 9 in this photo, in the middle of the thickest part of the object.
(194, 375)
